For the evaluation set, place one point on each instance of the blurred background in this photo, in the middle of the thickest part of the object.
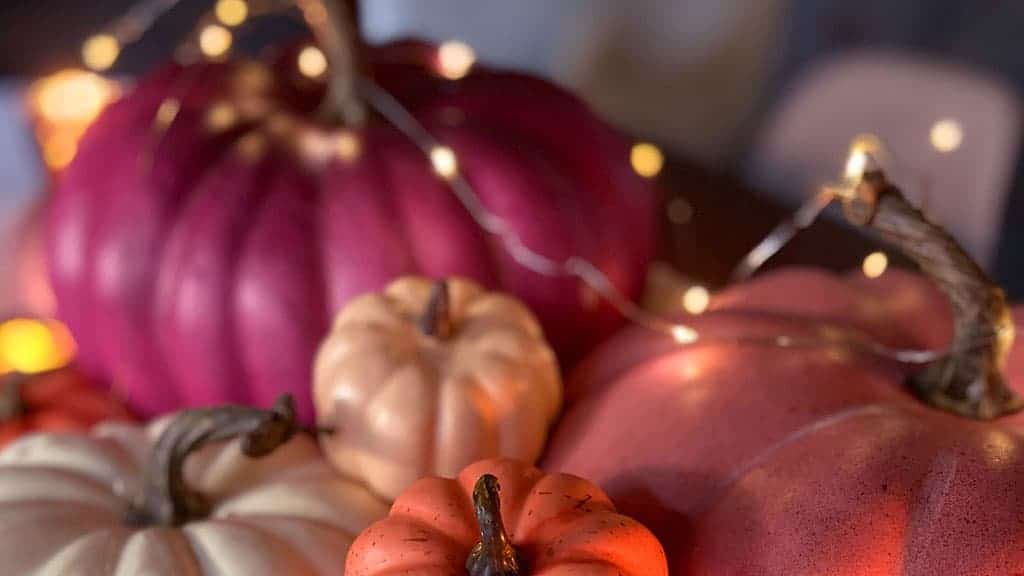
(751, 102)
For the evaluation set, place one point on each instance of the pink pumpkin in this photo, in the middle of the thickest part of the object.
(212, 223)
(751, 459)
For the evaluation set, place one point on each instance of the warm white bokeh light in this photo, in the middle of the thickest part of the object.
(684, 334)
(231, 12)
(312, 62)
(946, 135)
(100, 52)
(875, 264)
(455, 59)
(696, 299)
(215, 41)
(443, 159)
(646, 159)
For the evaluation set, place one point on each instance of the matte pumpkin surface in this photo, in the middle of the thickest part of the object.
(210, 227)
(749, 460)
(561, 525)
(407, 400)
(64, 500)
(62, 400)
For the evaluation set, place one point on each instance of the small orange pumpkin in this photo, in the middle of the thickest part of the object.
(503, 517)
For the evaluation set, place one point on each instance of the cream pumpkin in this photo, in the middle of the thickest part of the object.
(101, 504)
(428, 377)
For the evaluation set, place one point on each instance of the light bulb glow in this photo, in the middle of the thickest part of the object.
(100, 52)
(455, 59)
(683, 334)
(311, 62)
(346, 144)
(231, 12)
(874, 264)
(215, 41)
(862, 148)
(696, 299)
(646, 159)
(221, 116)
(31, 346)
(444, 162)
(946, 135)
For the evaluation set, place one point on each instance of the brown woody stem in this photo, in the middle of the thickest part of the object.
(166, 499)
(437, 318)
(335, 25)
(494, 555)
(12, 405)
(969, 380)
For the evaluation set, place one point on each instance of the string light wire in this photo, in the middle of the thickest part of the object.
(590, 275)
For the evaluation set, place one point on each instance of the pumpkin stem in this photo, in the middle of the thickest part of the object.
(494, 555)
(969, 380)
(166, 500)
(335, 25)
(437, 318)
(12, 405)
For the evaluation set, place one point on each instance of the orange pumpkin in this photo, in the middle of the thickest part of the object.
(59, 400)
(505, 518)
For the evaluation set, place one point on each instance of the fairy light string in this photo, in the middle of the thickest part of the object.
(444, 161)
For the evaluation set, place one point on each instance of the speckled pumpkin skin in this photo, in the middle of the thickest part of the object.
(562, 525)
(751, 460)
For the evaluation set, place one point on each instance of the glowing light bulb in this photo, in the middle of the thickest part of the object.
(684, 334)
(231, 12)
(100, 52)
(455, 59)
(696, 299)
(862, 148)
(312, 62)
(946, 135)
(220, 117)
(347, 146)
(855, 165)
(32, 346)
(443, 159)
(215, 41)
(647, 159)
(875, 264)
(72, 96)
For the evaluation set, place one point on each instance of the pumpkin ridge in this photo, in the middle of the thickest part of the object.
(945, 464)
(116, 537)
(203, 550)
(822, 423)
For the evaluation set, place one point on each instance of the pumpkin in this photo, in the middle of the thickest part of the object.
(183, 496)
(218, 216)
(428, 377)
(62, 399)
(753, 459)
(503, 517)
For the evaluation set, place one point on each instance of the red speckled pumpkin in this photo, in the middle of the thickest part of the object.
(505, 518)
(214, 221)
(752, 460)
(60, 400)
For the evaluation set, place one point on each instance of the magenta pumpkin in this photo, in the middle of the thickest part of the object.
(752, 459)
(207, 231)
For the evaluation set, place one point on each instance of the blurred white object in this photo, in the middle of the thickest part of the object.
(685, 73)
(950, 137)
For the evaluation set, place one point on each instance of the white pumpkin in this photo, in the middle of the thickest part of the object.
(428, 377)
(69, 504)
